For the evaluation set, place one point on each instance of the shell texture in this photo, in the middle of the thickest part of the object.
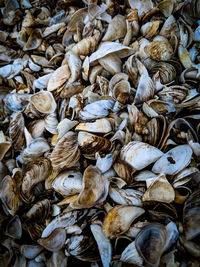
(99, 133)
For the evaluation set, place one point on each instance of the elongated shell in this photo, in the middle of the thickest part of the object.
(58, 78)
(66, 152)
(174, 160)
(139, 154)
(16, 130)
(99, 126)
(104, 245)
(36, 172)
(118, 220)
(94, 191)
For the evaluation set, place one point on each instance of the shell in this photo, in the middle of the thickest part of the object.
(59, 77)
(42, 81)
(134, 151)
(68, 182)
(44, 102)
(116, 29)
(14, 228)
(9, 195)
(112, 63)
(118, 220)
(174, 160)
(159, 50)
(17, 102)
(66, 152)
(104, 246)
(39, 211)
(159, 190)
(5, 144)
(90, 144)
(55, 241)
(126, 196)
(51, 123)
(36, 172)
(107, 48)
(64, 126)
(35, 149)
(34, 40)
(131, 256)
(94, 191)
(99, 126)
(64, 220)
(97, 109)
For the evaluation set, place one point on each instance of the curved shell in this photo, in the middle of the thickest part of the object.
(9, 195)
(16, 130)
(39, 211)
(94, 191)
(118, 220)
(58, 78)
(90, 144)
(55, 241)
(66, 152)
(159, 50)
(44, 102)
(159, 190)
(68, 182)
(36, 172)
(116, 29)
(150, 243)
(139, 154)
(174, 160)
(99, 126)
(34, 40)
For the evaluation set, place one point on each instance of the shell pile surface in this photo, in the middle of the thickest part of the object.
(99, 133)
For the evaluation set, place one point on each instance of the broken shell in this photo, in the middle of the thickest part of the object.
(94, 189)
(134, 151)
(174, 160)
(66, 152)
(55, 241)
(68, 183)
(44, 102)
(118, 220)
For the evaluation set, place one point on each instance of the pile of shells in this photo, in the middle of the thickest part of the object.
(99, 133)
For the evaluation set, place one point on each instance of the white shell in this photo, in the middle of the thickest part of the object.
(139, 154)
(174, 160)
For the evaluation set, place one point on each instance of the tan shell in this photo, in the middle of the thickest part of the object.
(44, 102)
(5, 144)
(116, 29)
(118, 220)
(112, 63)
(159, 50)
(34, 40)
(94, 191)
(58, 78)
(36, 128)
(159, 190)
(66, 152)
(90, 144)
